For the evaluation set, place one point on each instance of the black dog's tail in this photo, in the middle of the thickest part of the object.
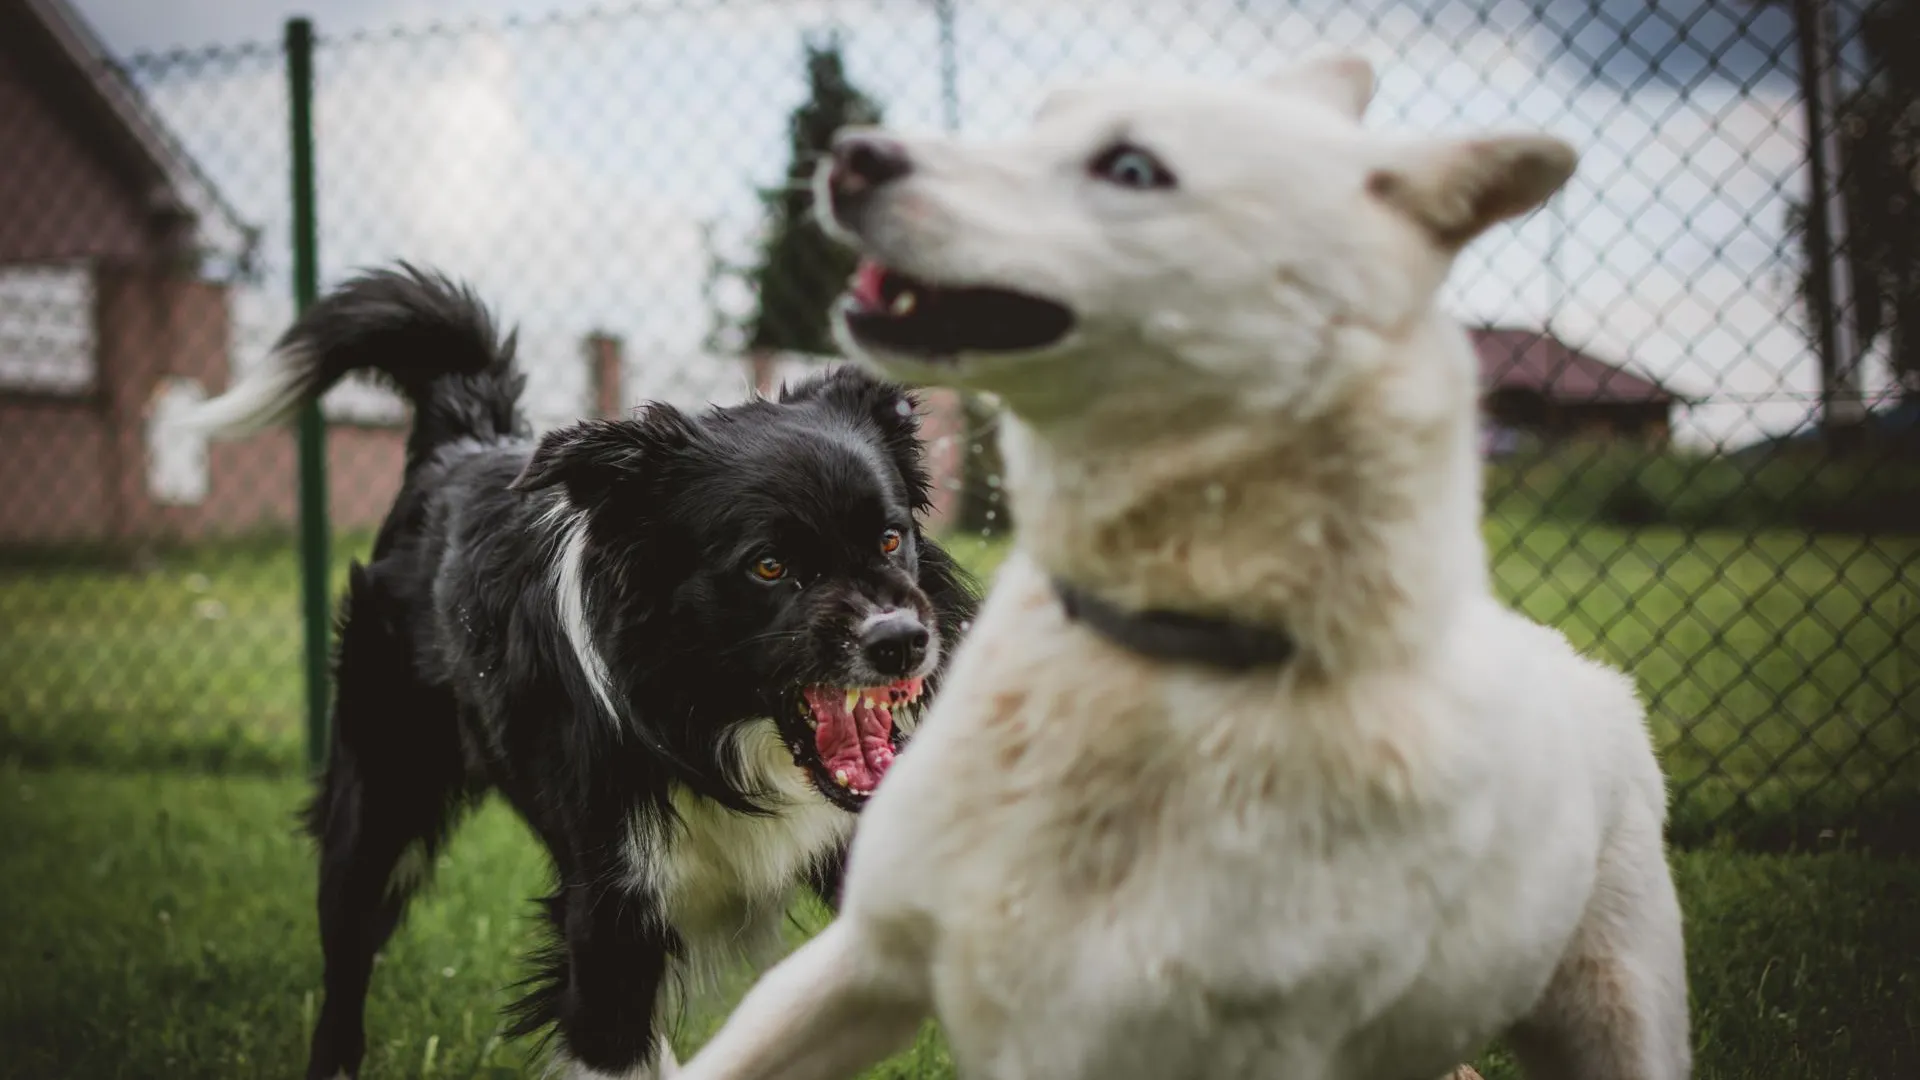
(429, 337)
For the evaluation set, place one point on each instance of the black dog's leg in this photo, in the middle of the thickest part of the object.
(392, 785)
(603, 979)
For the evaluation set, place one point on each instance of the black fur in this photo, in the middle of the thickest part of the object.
(456, 676)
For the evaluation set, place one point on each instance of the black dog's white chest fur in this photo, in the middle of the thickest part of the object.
(682, 647)
(726, 880)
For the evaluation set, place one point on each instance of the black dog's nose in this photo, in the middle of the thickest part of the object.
(895, 644)
(863, 162)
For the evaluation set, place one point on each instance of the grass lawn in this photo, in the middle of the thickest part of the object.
(160, 924)
(1783, 670)
(155, 902)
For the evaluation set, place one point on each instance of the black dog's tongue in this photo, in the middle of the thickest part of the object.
(853, 730)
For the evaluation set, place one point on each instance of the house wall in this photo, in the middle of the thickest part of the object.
(78, 208)
(75, 469)
(52, 486)
(1645, 423)
(158, 325)
(74, 464)
(255, 485)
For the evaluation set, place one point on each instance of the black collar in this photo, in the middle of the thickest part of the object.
(1179, 636)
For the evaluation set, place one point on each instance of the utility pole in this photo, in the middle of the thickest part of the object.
(1556, 271)
(1831, 284)
(981, 508)
(949, 66)
(311, 435)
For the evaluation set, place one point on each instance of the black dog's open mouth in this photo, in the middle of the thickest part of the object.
(853, 733)
(888, 310)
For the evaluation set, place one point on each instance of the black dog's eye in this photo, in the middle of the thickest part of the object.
(890, 541)
(769, 569)
(1128, 166)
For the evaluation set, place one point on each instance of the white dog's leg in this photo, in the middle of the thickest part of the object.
(1617, 1006)
(835, 1006)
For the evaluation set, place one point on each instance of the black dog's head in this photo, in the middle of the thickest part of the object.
(766, 560)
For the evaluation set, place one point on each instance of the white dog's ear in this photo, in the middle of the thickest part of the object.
(1457, 188)
(1343, 80)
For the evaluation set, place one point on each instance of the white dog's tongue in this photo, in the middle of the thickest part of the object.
(865, 288)
(855, 743)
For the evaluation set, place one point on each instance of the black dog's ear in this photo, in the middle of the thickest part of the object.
(595, 459)
(891, 408)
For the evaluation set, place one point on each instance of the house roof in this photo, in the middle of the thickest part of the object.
(1517, 359)
(125, 121)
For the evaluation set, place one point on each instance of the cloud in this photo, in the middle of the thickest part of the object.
(430, 154)
(458, 178)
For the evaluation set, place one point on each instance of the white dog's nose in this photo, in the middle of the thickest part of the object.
(863, 161)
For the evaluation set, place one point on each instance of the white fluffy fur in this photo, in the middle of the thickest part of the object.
(268, 394)
(727, 879)
(1438, 824)
(570, 602)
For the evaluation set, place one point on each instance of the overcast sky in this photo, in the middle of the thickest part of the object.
(582, 170)
(151, 25)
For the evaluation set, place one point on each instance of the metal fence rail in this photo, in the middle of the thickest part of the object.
(1701, 460)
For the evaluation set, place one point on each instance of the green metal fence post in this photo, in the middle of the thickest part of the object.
(312, 427)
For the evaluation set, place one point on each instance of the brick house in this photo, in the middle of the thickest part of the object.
(119, 267)
(115, 307)
(1533, 385)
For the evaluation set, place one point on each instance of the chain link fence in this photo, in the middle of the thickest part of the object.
(1677, 477)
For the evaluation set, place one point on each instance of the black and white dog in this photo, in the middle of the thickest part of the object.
(684, 647)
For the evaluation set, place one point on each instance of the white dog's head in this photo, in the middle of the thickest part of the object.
(1186, 241)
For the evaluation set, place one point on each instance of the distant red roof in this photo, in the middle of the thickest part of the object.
(1512, 359)
(59, 54)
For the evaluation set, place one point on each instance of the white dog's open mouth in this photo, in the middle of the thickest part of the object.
(885, 309)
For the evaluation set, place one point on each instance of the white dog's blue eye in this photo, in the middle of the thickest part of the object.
(1131, 167)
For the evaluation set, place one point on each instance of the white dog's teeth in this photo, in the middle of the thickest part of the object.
(840, 777)
(904, 303)
(853, 698)
(813, 725)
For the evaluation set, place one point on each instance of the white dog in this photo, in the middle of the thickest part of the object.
(1243, 771)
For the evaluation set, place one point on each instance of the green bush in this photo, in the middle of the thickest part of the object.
(1798, 487)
